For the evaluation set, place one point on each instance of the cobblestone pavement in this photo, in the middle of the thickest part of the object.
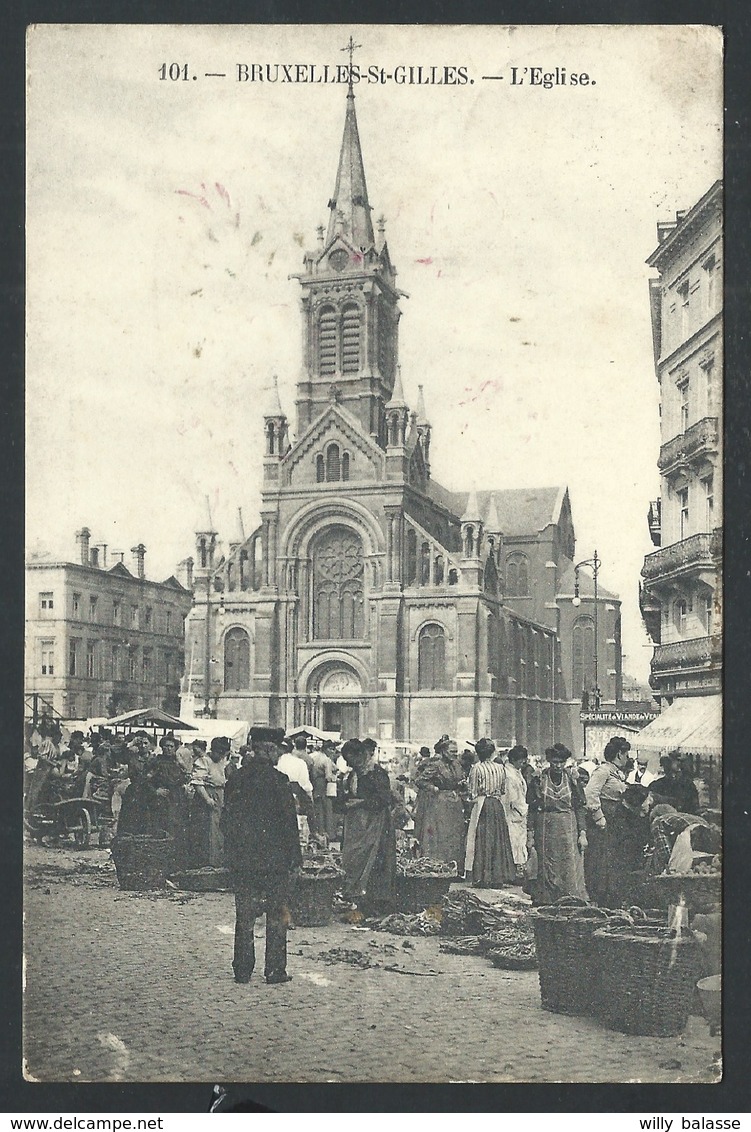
(125, 986)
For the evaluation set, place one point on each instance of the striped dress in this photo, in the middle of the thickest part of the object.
(489, 860)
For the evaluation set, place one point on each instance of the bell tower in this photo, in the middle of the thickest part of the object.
(349, 303)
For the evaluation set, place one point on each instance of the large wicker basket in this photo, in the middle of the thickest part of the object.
(645, 978)
(312, 900)
(701, 891)
(563, 934)
(415, 893)
(141, 862)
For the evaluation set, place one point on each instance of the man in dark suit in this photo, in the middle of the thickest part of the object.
(262, 850)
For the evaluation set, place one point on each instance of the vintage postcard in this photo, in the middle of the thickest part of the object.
(374, 512)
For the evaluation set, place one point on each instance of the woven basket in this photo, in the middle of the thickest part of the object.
(415, 893)
(645, 978)
(563, 934)
(143, 863)
(312, 899)
(701, 891)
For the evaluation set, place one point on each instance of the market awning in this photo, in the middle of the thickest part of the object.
(691, 724)
(149, 717)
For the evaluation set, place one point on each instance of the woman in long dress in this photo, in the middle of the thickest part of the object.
(557, 826)
(368, 839)
(439, 814)
(489, 860)
(516, 807)
(208, 781)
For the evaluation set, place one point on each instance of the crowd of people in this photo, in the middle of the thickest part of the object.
(554, 826)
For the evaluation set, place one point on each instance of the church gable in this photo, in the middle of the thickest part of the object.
(333, 449)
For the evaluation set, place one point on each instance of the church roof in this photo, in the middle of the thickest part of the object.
(520, 511)
(586, 585)
(351, 193)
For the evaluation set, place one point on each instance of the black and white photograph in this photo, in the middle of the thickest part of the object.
(373, 566)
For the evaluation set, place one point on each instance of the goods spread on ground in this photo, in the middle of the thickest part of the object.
(424, 866)
(497, 931)
(402, 923)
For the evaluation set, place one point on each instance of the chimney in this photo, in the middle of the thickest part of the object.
(83, 538)
(139, 553)
(101, 549)
(118, 556)
(94, 556)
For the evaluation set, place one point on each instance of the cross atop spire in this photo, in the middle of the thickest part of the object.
(351, 47)
(351, 193)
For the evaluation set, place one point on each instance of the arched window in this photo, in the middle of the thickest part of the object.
(583, 656)
(490, 575)
(320, 469)
(338, 586)
(243, 569)
(469, 542)
(517, 576)
(438, 570)
(202, 553)
(230, 576)
(350, 338)
(493, 647)
(345, 465)
(236, 660)
(411, 556)
(425, 564)
(681, 615)
(431, 659)
(257, 562)
(327, 341)
(333, 463)
(270, 437)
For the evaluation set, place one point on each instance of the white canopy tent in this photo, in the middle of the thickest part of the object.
(692, 724)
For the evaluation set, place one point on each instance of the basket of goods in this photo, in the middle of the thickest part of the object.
(646, 975)
(143, 862)
(701, 887)
(207, 879)
(312, 902)
(422, 882)
(518, 956)
(563, 935)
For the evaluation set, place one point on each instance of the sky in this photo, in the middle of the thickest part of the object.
(165, 219)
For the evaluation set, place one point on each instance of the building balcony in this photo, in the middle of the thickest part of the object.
(651, 611)
(698, 553)
(696, 442)
(678, 656)
(654, 521)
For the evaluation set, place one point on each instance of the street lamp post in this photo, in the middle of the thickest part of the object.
(595, 562)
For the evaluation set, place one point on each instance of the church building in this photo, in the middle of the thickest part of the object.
(371, 600)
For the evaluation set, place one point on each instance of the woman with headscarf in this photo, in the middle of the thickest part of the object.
(439, 814)
(603, 794)
(675, 838)
(515, 805)
(489, 860)
(557, 830)
(208, 781)
(368, 839)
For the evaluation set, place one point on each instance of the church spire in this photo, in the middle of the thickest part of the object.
(349, 205)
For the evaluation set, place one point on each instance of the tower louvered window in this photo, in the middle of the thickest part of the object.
(350, 339)
(327, 341)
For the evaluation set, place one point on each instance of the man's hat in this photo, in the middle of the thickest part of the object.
(260, 733)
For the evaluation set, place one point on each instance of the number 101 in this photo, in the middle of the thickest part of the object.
(174, 71)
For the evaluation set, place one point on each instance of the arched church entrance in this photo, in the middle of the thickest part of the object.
(338, 698)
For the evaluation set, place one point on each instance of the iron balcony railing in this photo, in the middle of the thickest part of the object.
(698, 652)
(696, 441)
(702, 550)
